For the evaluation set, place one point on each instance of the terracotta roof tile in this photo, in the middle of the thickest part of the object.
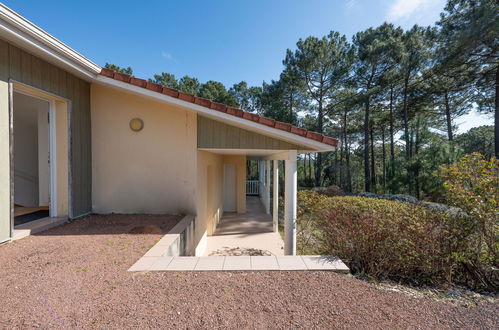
(122, 77)
(267, 121)
(314, 136)
(170, 92)
(283, 126)
(138, 82)
(154, 87)
(219, 107)
(203, 102)
(235, 111)
(298, 130)
(251, 116)
(186, 97)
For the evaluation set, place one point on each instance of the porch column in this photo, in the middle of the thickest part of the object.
(290, 204)
(260, 181)
(275, 196)
(267, 186)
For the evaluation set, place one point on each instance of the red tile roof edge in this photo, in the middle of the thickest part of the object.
(269, 122)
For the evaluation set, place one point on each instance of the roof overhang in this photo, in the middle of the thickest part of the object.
(315, 146)
(24, 34)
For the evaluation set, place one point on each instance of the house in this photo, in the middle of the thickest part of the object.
(77, 139)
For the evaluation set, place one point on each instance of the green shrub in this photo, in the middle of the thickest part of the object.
(387, 239)
(472, 184)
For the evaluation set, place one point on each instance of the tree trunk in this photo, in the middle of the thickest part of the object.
(416, 149)
(309, 168)
(367, 171)
(373, 160)
(347, 154)
(408, 150)
(408, 145)
(447, 117)
(496, 116)
(318, 158)
(342, 160)
(392, 143)
(304, 168)
(384, 156)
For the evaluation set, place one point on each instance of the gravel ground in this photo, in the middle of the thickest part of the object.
(76, 276)
(227, 251)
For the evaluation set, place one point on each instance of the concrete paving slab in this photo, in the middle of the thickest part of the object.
(210, 263)
(237, 263)
(264, 263)
(183, 263)
(143, 264)
(156, 251)
(291, 263)
(324, 263)
(37, 226)
(161, 263)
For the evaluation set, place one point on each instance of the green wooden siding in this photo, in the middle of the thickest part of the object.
(217, 135)
(18, 65)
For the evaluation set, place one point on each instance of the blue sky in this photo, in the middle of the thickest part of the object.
(222, 40)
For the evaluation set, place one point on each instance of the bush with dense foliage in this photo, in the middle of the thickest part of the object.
(387, 239)
(472, 184)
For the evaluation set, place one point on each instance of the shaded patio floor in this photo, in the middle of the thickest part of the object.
(251, 231)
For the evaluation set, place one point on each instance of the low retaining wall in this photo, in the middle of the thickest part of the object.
(180, 241)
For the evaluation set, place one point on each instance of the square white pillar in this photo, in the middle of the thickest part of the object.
(275, 196)
(267, 186)
(290, 183)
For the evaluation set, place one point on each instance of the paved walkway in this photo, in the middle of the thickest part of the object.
(235, 232)
(250, 230)
(242, 263)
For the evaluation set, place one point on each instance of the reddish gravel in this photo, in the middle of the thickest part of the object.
(76, 276)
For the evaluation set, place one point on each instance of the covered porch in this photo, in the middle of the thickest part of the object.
(245, 223)
(226, 217)
(250, 233)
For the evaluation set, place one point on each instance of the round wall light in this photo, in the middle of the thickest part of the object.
(136, 124)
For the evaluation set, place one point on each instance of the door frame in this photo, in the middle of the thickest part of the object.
(234, 166)
(18, 87)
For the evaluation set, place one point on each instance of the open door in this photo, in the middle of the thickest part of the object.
(229, 188)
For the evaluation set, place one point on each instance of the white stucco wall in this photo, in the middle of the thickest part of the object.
(152, 171)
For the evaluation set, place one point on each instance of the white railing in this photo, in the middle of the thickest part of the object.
(252, 187)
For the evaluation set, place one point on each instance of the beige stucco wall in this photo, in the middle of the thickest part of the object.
(151, 171)
(209, 196)
(240, 162)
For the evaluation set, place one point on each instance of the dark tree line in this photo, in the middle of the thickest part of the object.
(392, 97)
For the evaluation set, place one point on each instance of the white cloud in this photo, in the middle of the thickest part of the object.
(473, 119)
(349, 4)
(404, 9)
(166, 55)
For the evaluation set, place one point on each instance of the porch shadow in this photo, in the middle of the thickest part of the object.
(246, 231)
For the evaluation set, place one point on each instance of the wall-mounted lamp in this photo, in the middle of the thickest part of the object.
(136, 124)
